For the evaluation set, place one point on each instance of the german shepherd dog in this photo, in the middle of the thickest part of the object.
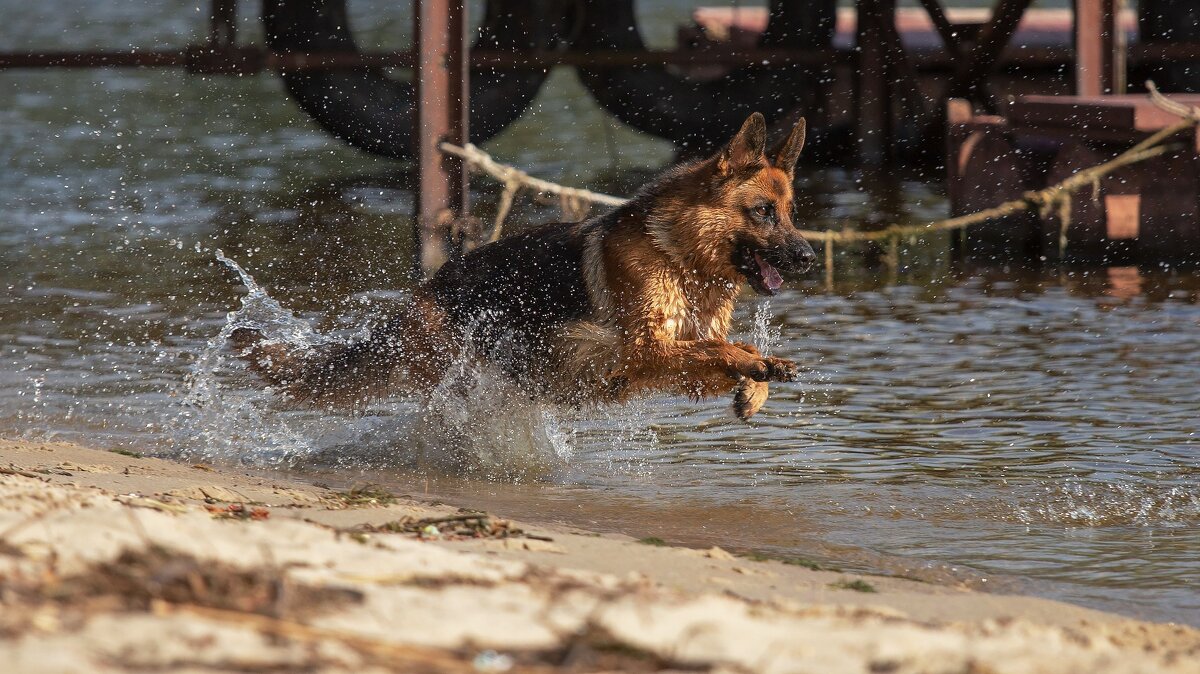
(635, 301)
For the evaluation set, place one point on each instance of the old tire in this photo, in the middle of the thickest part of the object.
(371, 111)
(698, 114)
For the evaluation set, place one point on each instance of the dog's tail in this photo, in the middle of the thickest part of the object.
(404, 354)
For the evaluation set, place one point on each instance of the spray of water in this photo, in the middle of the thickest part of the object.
(477, 421)
(762, 334)
(1091, 503)
(221, 421)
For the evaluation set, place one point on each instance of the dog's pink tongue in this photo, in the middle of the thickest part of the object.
(771, 277)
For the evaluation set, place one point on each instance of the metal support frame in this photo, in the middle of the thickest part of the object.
(440, 36)
(984, 57)
(884, 71)
(945, 30)
(247, 60)
(874, 90)
(1099, 48)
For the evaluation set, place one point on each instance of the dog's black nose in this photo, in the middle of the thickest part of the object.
(805, 257)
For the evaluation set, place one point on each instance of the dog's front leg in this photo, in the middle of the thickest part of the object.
(749, 398)
(699, 369)
(750, 395)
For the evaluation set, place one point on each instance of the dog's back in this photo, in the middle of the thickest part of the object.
(519, 290)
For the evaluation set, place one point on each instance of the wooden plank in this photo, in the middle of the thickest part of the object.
(1096, 113)
(1122, 216)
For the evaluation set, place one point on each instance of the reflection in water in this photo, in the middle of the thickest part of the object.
(1124, 282)
(1036, 429)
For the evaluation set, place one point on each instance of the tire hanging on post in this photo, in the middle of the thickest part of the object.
(699, 114)
(373, 112)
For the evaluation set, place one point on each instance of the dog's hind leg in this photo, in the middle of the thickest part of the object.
(409, 352)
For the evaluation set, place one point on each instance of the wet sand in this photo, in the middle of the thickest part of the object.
(115, 563)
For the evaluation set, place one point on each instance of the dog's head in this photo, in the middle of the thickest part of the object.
(753, 191)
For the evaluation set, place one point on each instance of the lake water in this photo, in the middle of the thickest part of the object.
(1019, 430)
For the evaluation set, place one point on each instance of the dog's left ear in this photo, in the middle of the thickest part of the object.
(787, 152)
(746, 148)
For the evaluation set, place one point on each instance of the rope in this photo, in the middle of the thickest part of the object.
(1053, 199)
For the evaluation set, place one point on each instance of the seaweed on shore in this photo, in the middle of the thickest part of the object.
(466, 525)
(857, 585)
(365, 495)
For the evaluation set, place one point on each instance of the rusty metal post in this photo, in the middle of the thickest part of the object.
(874, 91)
(1099, 48)
(440, 36)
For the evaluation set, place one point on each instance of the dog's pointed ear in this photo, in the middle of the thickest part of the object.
(787, 152)
(746, 148)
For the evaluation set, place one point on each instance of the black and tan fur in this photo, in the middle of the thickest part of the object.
(635, 301)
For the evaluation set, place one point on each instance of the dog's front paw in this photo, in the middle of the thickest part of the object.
(749, 398)
(780, 369)
(769, 369)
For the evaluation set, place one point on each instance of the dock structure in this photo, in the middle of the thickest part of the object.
(878, 73)
(1146, 213)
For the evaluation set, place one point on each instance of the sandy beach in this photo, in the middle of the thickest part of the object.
(117, 563)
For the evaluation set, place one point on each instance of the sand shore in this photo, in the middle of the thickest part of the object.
(115, 563)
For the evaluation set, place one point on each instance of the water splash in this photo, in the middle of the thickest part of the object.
(262, 312)
(477, 421)
(763, 335)
(222, 421)
(1089, 503)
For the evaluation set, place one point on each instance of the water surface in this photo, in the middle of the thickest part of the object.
(1030, 431)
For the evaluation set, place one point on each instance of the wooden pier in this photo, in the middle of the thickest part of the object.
(1147, 213)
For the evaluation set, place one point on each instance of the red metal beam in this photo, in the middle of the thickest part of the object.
(1099, 46)
(440, 36)
(263, 60)
(93, 59)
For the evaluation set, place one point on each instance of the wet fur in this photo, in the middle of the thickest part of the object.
(634, 301)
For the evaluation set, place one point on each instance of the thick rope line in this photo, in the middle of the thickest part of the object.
(507, 175)
(1053, 198)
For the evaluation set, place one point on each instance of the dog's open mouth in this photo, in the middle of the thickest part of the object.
(762, 275)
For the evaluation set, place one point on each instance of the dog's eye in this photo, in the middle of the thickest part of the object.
(762, 210)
